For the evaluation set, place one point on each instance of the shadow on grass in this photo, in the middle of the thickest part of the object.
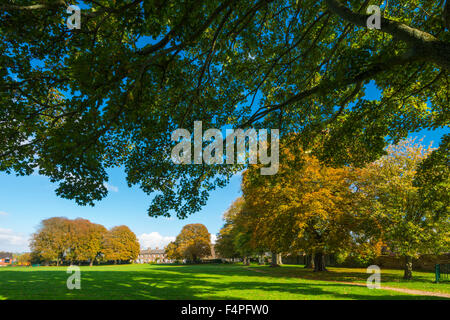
(177, 282)
(337, 274)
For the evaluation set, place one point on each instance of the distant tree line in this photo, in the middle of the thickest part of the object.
(17, 258)
(60, 240)
(4, 254)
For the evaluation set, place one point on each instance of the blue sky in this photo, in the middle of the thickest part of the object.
(25, 201)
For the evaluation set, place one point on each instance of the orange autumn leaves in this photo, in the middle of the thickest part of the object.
(192, 244)
(62, 240)
(312, 208)
(306, 207)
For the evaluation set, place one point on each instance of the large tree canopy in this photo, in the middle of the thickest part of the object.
(76, 102)
(306, 207)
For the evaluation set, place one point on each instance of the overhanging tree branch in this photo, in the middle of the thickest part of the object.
(9, 7)
(161, 44)
(422, 43)
(397, 29)
(330, 85)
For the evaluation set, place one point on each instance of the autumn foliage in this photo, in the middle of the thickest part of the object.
(307, 207)
(120, 244)
(348, 212)
(61, 240)
(193, 243)
(410, 224)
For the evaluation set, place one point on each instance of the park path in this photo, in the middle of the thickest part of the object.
(402, 290)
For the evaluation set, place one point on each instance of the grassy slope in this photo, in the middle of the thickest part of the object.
(199, 282)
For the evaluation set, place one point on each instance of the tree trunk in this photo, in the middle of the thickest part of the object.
(246, 261)
(273, 263)
(408, 268)
(279, 260)
(310, 261)
(319, 262)
(91, 263)
(57, 262)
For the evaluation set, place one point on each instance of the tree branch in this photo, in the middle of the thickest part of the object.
(330, 85)
(161, 44)
(446, 15)
(396, 29)
(422, 43)
(9, 7)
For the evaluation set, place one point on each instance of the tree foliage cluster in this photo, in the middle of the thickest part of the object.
(192, 244)
(317, 209)
(24, 259)
(61, 240)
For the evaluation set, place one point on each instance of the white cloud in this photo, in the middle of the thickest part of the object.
(238, 174)
(154, 239)
(110, 187)
(12, 241)
(3, 213)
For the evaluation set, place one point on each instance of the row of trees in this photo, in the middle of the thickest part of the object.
(317, 209)
(62, 240)
(19, 258)
(192, 244)
(4, 254)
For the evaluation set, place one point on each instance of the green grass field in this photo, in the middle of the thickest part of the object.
(206, 282)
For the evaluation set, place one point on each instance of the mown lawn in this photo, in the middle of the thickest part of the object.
(390, 278)
(203, 282)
